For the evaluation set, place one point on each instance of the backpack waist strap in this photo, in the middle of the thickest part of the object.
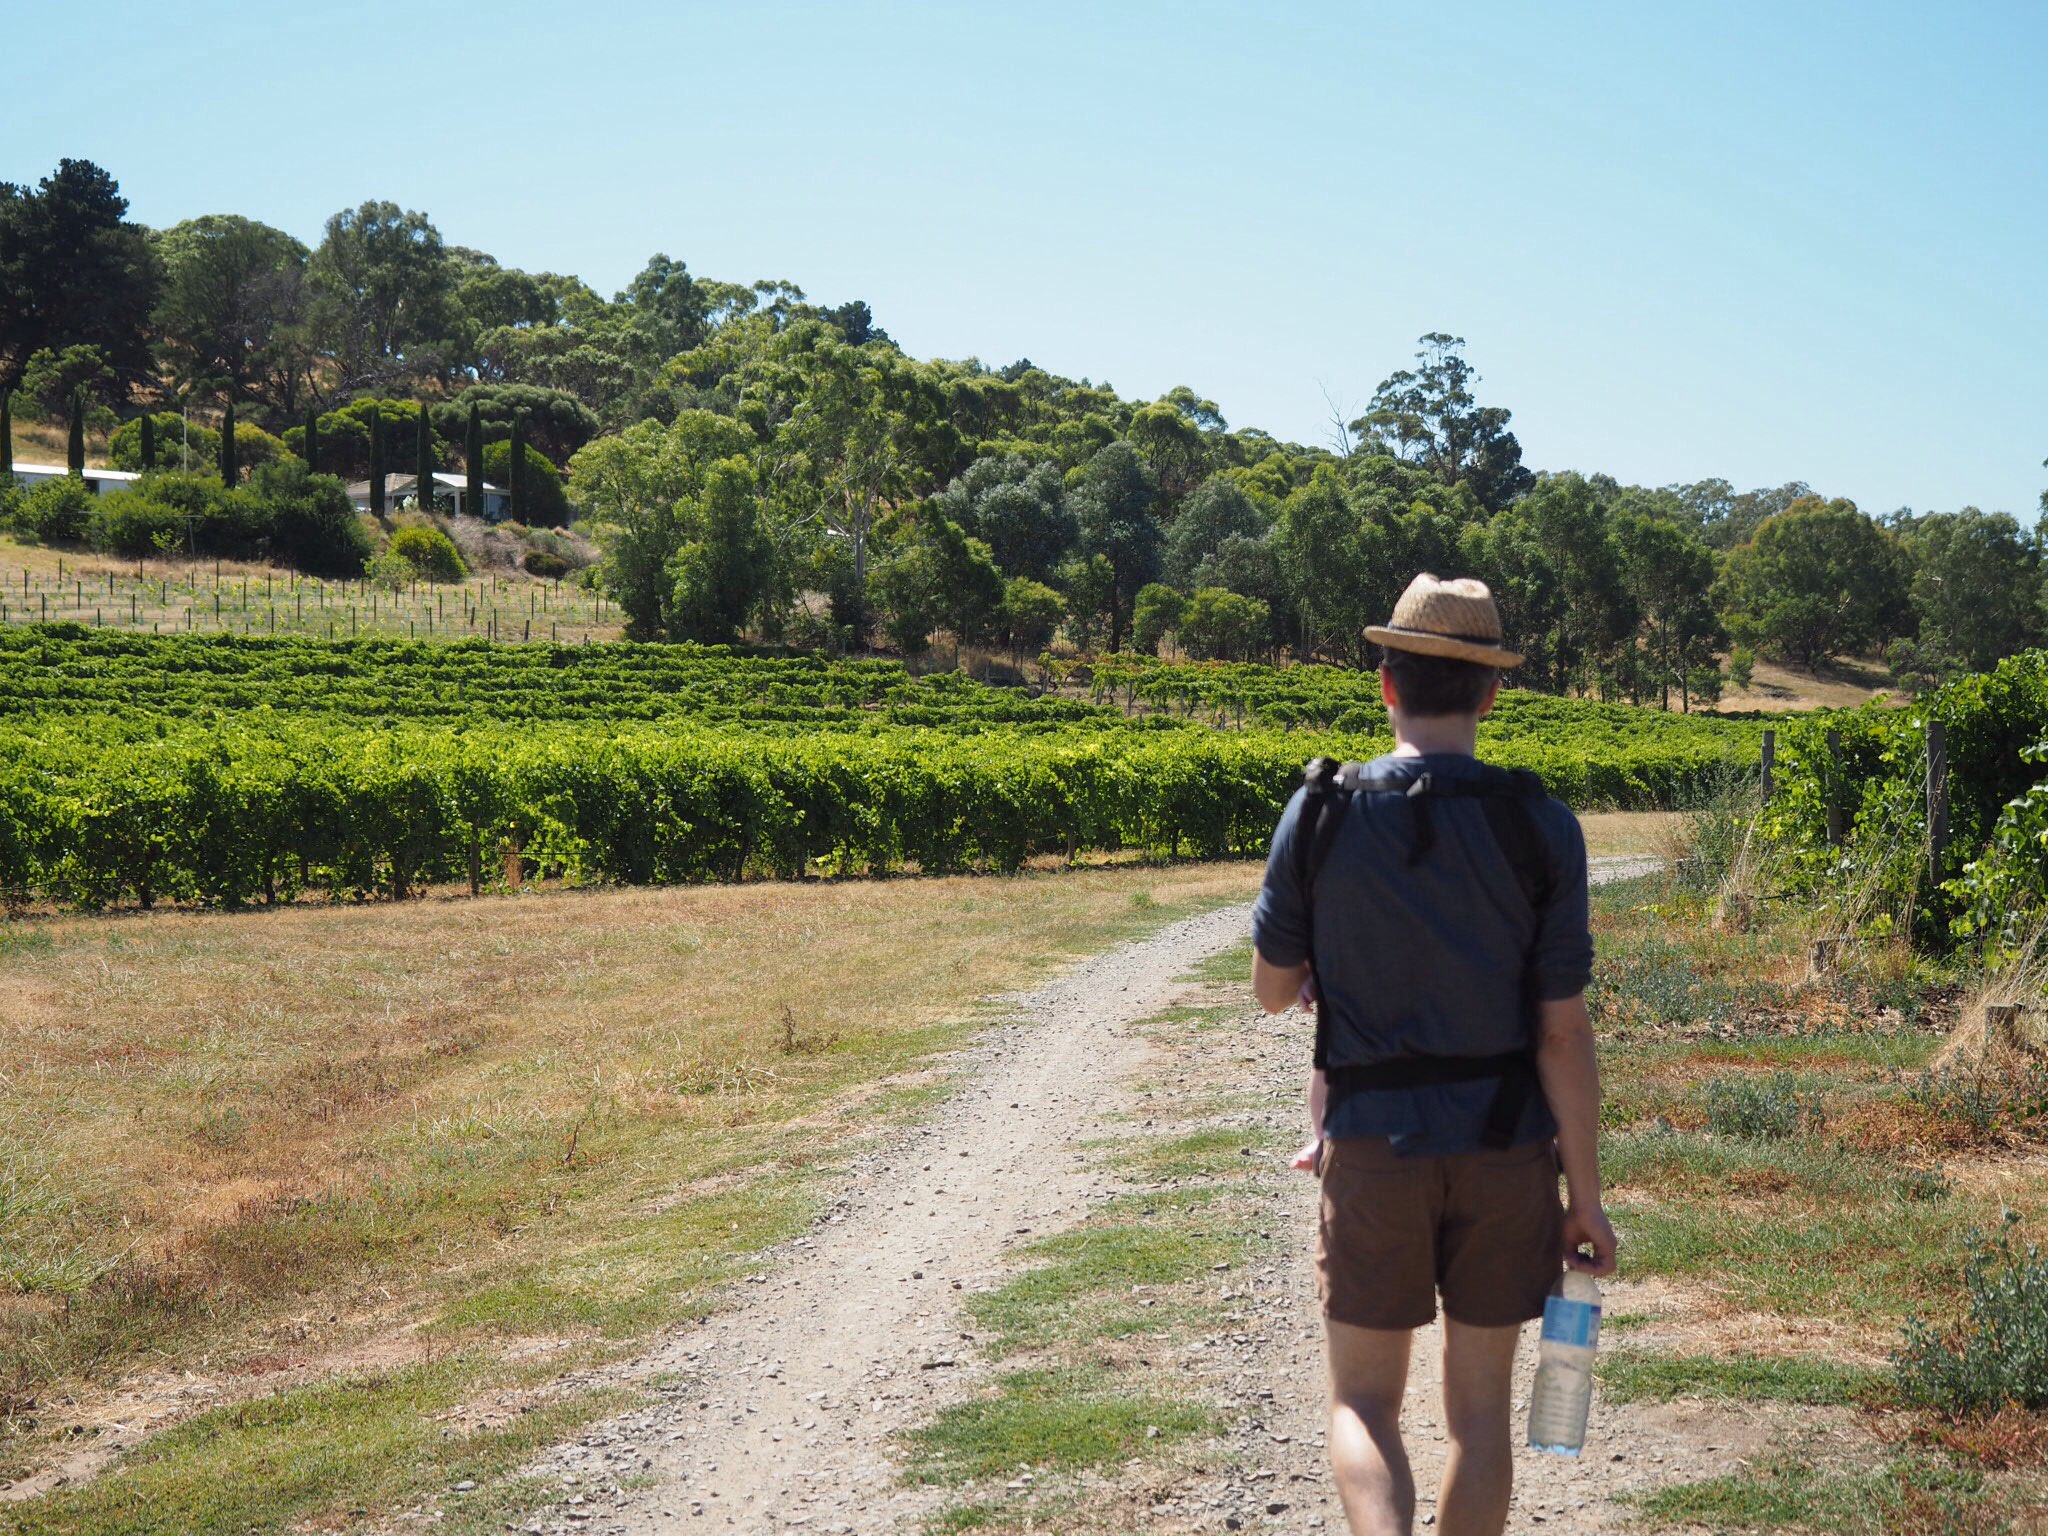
(1514, 1070)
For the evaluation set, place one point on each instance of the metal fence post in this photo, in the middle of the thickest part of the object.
(1937, 797)
(1834, 739)
(1770, 763)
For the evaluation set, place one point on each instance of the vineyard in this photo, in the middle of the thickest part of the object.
(230, 770)
(211, 597)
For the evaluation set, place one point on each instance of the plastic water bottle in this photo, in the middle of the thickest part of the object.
(1564, 1365)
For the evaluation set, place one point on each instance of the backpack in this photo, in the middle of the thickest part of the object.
(1507, 797)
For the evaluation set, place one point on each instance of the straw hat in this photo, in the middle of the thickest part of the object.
(1454, 618)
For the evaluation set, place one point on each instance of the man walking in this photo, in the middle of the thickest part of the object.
(1434, 911)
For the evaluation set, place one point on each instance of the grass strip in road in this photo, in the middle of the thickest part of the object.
(1907, 1495)
(418, 1158)
(1641, 1375)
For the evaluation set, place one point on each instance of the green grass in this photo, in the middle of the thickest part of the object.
(1226, 965)
(1637, 1375)
(1062, 1418)
(1918, 1494)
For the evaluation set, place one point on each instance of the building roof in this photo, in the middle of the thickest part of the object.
(399, 485)
(21, 468)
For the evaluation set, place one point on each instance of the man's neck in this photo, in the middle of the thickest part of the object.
(1436, 733)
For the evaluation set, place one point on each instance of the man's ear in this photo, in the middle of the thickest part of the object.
(1389, 696)
(1492, 695)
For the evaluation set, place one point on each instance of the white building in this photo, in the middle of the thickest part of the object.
(98, 480)
(450, 491)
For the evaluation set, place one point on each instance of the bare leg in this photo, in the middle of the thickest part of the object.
(1478, 1392)
(1368, 1370)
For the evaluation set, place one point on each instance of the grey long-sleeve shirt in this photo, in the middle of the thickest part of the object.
(1428, 959)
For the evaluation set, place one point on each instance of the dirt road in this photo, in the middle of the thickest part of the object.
(778, 1414)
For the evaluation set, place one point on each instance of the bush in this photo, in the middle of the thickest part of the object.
(173, 448)
(55, 511)
(1771, 1110)
(542, 500)
(132, 522)
(1998, 1352)
(429, 552)
(183, 513)
(545, 563)
(313, 526)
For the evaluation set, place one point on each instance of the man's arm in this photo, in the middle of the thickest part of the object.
(1571, 1082)
(1277, 986)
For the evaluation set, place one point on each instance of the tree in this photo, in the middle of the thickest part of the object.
(1977, 587)
(313, 525)
(1669, 575)
(1222, 626)
(473, 463)
(1112, 500)
(74, 448)
(542, 500)
(557, 423)
(937, 577)
(6, 435)
(232, 308)
(1158, 613)
(1016, 507)
(73, 272)
(665, 311)
(55, 377)
(229, 471)
(724, 572)
(382, 294)
(515, 472)
(1428, 416)
(1031, 614)
(1555, 569)
(1818, 580)
(376, 463)
(310, 444)
(423, 486)
(638, 491)
(1219, 510)
(147, 431)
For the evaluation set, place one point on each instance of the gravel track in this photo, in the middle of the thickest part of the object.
(779, 1413)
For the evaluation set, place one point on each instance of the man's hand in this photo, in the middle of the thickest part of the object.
(1588, 1228)
(1305, 1160)
(1306, 1000)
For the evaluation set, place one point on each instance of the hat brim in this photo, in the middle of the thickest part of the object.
(1425, 643)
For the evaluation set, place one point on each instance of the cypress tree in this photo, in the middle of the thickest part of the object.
(423, 463)
(6, 431)
(313, 438)
(376, 462)
(516, 467)
(473, 464)
(74, 456)
(148, 442)
(230, 471)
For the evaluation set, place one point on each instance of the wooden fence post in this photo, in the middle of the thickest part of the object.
(1834, 739)
(1937, 797)
(1770, 763)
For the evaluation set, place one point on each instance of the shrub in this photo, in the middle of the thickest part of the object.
(313, 526)
(1997, 1353)
(1768, 1110)
(173, 447)
(1982, 1101)
(545, 563)
(55, 511)
(132, 522)
(1741, 667)
(429, 552)
(542, 500)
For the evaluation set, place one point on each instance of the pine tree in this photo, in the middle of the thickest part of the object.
(230, 471)
(473, 464)
(376, 462)
(75, 455)
(423, 463)
(6, 432)
(515, 468)
(148, 429)
(313, 439)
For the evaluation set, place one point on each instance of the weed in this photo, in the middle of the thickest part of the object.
(1997, 1353)
(1066, 1417)
(1923, 1184)
(1771, 1109)
(1980, 1101)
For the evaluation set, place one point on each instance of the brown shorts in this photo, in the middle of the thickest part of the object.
(1485, 1228)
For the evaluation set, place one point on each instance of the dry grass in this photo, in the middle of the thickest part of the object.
(1622, 834)
(49, 442)
(1843, 683)
(279, 1136)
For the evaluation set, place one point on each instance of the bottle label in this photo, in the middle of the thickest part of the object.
(1574, 1324)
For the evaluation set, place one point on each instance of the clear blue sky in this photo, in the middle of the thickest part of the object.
(1765, 241)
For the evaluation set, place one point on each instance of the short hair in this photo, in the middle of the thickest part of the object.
(1437, 685)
